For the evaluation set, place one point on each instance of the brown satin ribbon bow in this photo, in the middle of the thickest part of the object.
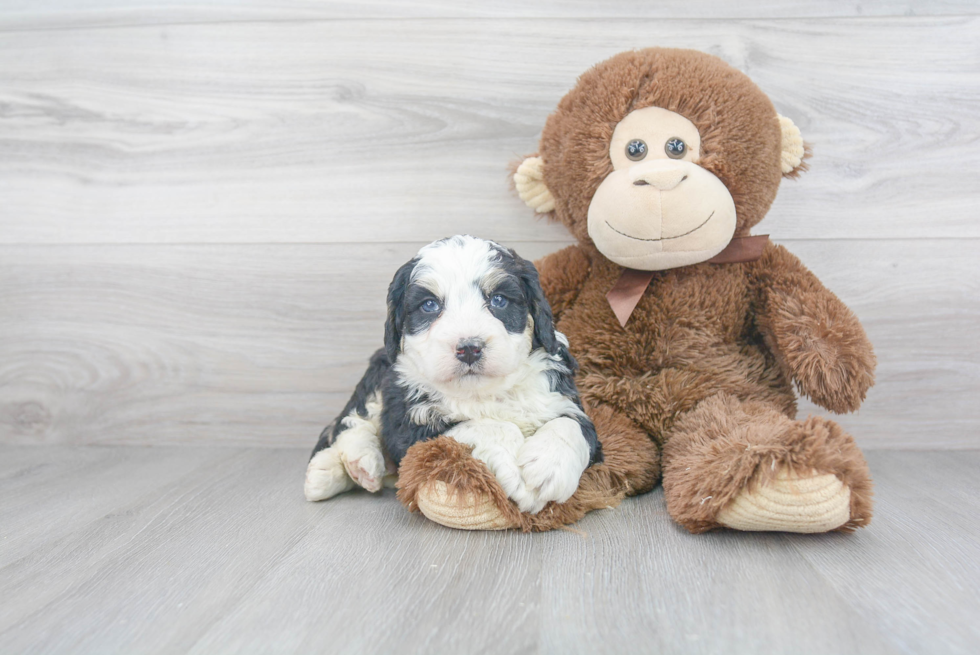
(629, 288)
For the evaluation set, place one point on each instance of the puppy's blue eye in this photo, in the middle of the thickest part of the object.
(430, 306)
(498, 301)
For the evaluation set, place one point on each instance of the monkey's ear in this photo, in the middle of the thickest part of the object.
(529, 181)
(795, 151)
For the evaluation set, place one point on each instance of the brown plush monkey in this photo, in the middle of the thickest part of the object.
(690, 334)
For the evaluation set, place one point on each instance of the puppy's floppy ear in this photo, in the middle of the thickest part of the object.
(396, 309)
(537, 307)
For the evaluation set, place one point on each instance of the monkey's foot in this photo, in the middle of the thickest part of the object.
(437, 503)
(441, 479)
(790, 503)
(745, 465)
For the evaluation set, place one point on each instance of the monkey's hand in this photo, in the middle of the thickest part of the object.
(817, 338)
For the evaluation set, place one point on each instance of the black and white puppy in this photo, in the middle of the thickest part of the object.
(470, 352)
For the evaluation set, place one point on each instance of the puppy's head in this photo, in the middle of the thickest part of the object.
(465, 312)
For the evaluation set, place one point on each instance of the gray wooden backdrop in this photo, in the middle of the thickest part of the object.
(201, 204)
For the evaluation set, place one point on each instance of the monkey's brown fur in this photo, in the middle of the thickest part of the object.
(703, 372)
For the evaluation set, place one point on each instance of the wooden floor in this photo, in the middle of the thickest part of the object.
(173, 550)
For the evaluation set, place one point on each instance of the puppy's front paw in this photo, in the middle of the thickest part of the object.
(326, 476)
(495, 443)
(552, 462)
(504, 467)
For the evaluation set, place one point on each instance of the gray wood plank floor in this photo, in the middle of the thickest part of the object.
(162, 550)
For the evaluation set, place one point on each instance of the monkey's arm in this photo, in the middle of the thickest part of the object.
(816, 337)
(562, 275)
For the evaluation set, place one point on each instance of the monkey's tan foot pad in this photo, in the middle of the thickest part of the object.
(790, 503)
(461, 511)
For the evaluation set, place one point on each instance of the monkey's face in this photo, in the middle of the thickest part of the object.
(654, 188)
(659, 208)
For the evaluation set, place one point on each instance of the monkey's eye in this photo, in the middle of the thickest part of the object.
(636, 150)
(498, 301)
(675, 148)
(430, 306)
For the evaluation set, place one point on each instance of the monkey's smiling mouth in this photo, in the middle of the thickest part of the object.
(628, 236)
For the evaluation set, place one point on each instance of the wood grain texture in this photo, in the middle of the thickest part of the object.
(307, 148)
(223, 555)
(347, 130)
(46, 498)
(919, 500)
(262, 345)
(50, 14)
(201, 205)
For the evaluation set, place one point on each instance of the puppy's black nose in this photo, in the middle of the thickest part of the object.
(469, 351)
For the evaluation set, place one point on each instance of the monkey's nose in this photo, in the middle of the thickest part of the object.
(469, 351)
(664, 179)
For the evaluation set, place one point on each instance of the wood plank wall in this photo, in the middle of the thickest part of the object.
(201, 204)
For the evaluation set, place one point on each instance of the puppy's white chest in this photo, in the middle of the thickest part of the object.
(512, 411)
(528, 406)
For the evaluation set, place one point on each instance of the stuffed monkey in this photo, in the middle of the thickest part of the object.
(690, 333)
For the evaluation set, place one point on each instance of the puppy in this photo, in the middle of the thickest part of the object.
(470, 352)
